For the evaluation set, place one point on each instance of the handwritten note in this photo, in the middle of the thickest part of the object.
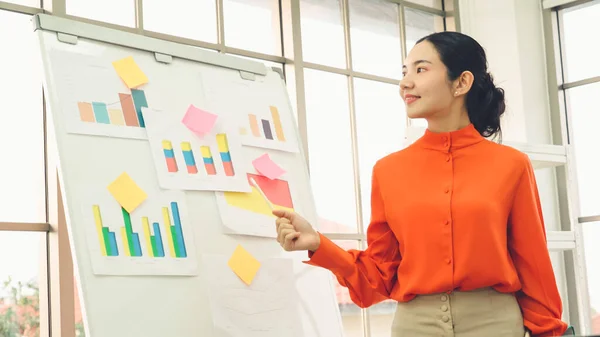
(244, 264)
(267, 167)
(199, 121)
(130, 72)
(127, 193)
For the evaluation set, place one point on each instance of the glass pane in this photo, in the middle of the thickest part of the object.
(19, 291)
(330, 150)
(380, 126)
(322, 32)
(30, 3)
(22, 196)
(253, 25)
(117, 12)
(437, 4)
(192, 19)
(582, 108)
(381, 316)
(375, 37)
(420, 24)
(591, 237)
(351, 314)
(581, 56)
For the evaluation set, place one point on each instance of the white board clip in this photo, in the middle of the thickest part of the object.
(279, 71)
(247, 76)
(163, 58)
(66, 38)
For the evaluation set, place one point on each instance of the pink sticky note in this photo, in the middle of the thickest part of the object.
(265, 166)
(199, 121)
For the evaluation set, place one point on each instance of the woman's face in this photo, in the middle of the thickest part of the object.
(424, 87)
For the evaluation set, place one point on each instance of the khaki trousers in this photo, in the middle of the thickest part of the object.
(478, 313)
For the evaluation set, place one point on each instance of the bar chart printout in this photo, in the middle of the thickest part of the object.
(128, 242)
(126, 111)
(186, 161)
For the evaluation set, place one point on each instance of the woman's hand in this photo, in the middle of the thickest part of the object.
(294, 232)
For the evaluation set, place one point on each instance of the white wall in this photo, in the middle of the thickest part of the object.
(512, 35)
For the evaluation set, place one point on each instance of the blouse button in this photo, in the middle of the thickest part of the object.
(446, 190)
(448, 261)
(448, 158)
(444, 308)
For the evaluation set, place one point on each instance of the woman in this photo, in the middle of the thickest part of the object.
(456, 233)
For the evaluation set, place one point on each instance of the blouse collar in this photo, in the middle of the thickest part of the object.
(448, 141)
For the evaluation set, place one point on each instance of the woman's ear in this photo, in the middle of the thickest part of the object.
(463, 83)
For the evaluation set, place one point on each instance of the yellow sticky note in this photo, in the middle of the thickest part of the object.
(244, 265)
(130, 72)
(127, 192)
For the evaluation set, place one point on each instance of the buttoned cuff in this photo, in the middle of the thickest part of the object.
(332, 257)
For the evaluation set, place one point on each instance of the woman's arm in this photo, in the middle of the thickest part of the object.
(369, 275)
(539, 297)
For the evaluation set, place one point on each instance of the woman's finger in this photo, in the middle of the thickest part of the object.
(283, 228)
(288, 241)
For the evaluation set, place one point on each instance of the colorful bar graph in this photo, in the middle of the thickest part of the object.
(169, 156)
(108, 242)
(139, 101)
(148, 236)
(207, 158)
(277, 123)
(86, 112)
(101, 113)
(225, 154)
(188, 156)
(254, 125)
(267, 129)
(129, 114)
(132, 239)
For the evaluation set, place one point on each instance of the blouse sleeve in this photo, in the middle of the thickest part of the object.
(369, 275)
(538, 298)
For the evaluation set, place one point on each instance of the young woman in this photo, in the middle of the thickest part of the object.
(456, 233)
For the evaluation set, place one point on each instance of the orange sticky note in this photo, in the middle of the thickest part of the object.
(244, 264)
(127, 193)
(130, 72)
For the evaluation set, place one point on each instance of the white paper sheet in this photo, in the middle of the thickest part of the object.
(85, 80)
(151, 262)
(266, 308)
(167, 126)
(249, 214)
(263, 115)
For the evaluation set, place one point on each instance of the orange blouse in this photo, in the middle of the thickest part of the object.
(453, 211)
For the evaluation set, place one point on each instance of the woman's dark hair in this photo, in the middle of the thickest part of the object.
(485, 101)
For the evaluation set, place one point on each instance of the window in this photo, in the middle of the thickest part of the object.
(117, 12)
(253, 25)
(192, 19)
(21, 123)
(19, 289)
(420, 24)
(323, 32)
(580, 73)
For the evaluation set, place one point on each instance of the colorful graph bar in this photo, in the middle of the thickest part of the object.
(267, 129)
(130, 238)
(116, 117)
(108, 240)
(254, 125)
(129, 114)
(169, 156)
(157, 242)
(101, 113)
(174, 232)
(188, 156)
(139, 101)
(277, 123)
(225, 154)
(86, 112)
(207, 158)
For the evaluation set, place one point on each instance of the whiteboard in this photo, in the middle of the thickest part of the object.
(129, 283)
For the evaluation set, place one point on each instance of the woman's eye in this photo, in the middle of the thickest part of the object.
(419, 69)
